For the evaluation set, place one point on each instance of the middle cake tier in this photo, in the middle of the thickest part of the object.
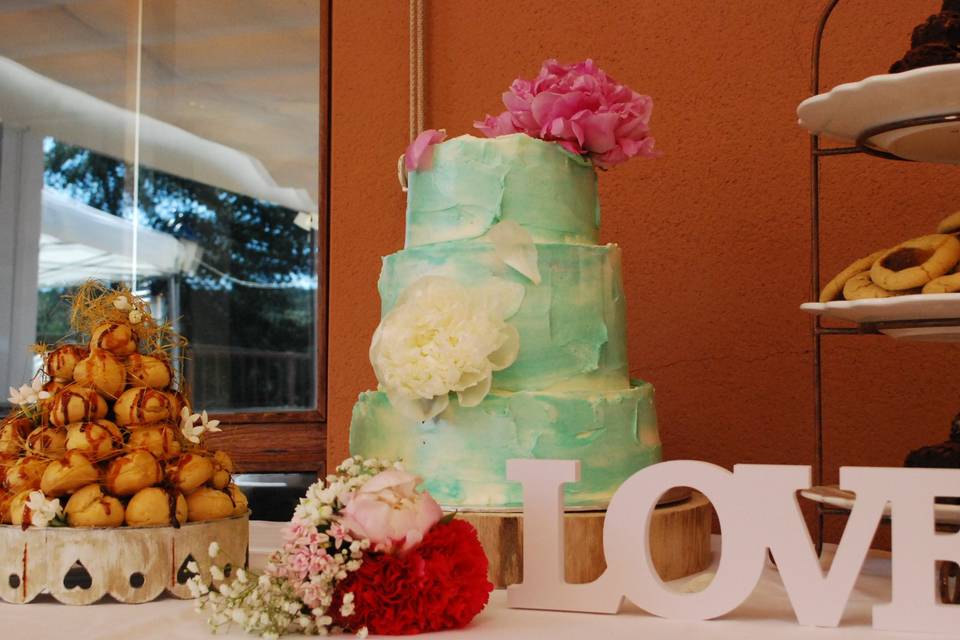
(571, 324)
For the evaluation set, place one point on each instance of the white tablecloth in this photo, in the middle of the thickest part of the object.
(766, 614)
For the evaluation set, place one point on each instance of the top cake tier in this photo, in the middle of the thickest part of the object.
(474, 183)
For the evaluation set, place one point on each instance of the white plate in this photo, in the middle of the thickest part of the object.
(835, 497)
(850, 109)
(920, 306)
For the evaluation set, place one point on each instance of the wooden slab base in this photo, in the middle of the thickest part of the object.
(679, 541)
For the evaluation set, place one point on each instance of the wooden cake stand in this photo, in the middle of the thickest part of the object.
(679, 540)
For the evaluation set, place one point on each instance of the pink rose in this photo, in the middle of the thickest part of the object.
(419, 155)
(389, 512)
(582, 109)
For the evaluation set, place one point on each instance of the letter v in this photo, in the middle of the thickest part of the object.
(817, 599)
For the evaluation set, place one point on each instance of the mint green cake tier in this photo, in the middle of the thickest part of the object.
(571, 325)
(462, 453)
(474, 183)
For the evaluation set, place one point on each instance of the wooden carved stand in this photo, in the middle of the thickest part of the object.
(679, 541)
(133, 565)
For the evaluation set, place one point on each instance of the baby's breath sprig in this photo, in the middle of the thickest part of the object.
(297, 590)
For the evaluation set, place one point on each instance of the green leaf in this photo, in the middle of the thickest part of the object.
(448, 518)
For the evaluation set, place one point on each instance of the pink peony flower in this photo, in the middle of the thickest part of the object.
(581, 108)
(389, 512)
(419, 155)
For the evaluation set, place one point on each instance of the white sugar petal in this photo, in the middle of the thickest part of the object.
(472, 396)
(506, 355)
(514, 246)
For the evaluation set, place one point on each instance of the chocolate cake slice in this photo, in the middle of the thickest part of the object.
(936, 41)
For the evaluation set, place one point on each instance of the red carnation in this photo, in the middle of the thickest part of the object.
(440, 584)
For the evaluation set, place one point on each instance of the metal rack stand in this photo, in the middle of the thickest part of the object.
(861, 145)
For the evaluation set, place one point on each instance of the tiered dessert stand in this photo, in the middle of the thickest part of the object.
(914, 116)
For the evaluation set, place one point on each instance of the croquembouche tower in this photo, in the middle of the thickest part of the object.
(106, 486)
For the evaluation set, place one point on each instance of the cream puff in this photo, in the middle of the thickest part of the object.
(13, 433)
(52, 387)
(240, 503)
(49, 441)
(60, 362)
(6, 497)
(209, 504)
(189, 471)
(131, 472)
(91, 507)
(159, 439)
(142, 405)
(148, 371)
(25, 474)
(152, 506)
(222, 470)
(103, 371)
(77, 404)
(68, 474)
(116, 337)
(177, 403)
(17, 512)
(96, 438)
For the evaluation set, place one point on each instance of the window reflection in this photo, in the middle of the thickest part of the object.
(172, 145)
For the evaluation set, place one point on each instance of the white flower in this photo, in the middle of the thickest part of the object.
(121, 303)
(442, 336)
(187, 427)
(135, 316)
(191, 430)
(362, 633)
(28, 394)
(42, 510)
(214, 549)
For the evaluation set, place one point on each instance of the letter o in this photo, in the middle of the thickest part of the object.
(742, 557)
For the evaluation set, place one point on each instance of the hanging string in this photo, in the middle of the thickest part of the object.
(416, 68)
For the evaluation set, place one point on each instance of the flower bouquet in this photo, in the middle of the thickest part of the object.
(365, 552)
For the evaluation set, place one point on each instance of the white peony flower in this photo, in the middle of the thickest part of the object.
(442, 336)
(42, 510)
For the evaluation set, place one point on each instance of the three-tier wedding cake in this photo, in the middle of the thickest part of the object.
(503, 321)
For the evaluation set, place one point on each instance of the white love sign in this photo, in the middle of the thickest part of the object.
(758, 510)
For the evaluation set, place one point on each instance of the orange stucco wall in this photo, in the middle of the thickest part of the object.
(714, 234)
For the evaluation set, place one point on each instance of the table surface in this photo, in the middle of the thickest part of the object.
(766, 614)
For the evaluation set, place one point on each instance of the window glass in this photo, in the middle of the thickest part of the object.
(172, 145)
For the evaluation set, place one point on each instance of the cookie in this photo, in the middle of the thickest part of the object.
(916, 262)
(949, 283)
(861, 286)
(950, 224)
(835, 287)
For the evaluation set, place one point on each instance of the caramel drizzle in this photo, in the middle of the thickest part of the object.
(139, 404)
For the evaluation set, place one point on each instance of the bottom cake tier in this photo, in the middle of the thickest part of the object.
(462, 453)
